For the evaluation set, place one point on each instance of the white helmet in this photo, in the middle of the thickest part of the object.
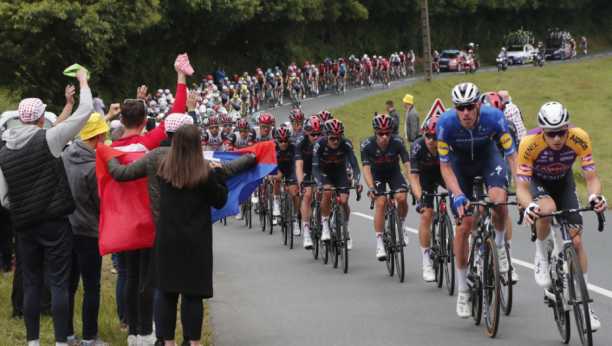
(374, 57)
(365, 56)
(401, 53)
(503, 49)
(246, 74)
(214, 88)
(200, 99)
(167, 91)
(553, 115)
(235, 116)
(465, 93)
(224, 88)
(278, 74)
(168, 97)
(160, 91)
(202, 108)
(222, 110)
(152, 103)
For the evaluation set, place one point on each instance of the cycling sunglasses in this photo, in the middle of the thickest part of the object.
(553, 134)
(298, 123)
(333, 139)
(382, 134)
(430, 136)
(315, 134)
(265, 127)
(212, 127)
(282, 141)
(227, 125)
(461, 108)
(243, 131)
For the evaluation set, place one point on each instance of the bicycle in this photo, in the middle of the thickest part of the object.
(315, 223)
(393, 236)
(246, 211)
(270, 97)
(265, 205)
(385, 81)
(442, 241)
(369, 82)
(286, 217)
(337, 227)
(568, 290)
(294, 99)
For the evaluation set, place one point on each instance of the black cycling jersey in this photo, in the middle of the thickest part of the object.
(325, 159)
(303, 149)
(384, 161)
(422, 161)
(286, 158)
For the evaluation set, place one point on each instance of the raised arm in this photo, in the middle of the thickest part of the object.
(69, 105)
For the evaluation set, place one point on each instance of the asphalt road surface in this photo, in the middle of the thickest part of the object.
(267, 294)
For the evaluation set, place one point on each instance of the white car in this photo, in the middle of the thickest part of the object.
(520, 54)
(10, 119)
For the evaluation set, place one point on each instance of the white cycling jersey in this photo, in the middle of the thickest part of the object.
(214, 143)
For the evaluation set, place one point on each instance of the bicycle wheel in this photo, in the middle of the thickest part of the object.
(249, 213)
(397, 234)
(315, 231)
(289, 219)
(269, 200)
(579, 296)
(262, 211)
(449, 252)
(491, 285)
(505, 291)
(476, 290)
(283, 225)
(343, 243)
(335, 238)
(562, 317)
(436, 251)
(388, 241)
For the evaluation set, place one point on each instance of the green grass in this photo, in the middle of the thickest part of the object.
(582, 87)
(14, 333)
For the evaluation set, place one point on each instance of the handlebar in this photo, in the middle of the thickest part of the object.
(391, 193)
(601, 218)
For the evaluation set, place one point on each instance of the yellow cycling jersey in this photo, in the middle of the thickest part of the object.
(538, 159)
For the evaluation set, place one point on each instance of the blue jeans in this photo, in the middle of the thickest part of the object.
(157, 313)
(86, 263)
(120, 288)
(49, 243)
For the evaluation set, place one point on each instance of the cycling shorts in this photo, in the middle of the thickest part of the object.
(296, 86)
(490, 167)
(384, 69)
(395, 181)
(563, 192)
(427, 182)
(396, 63)
(289, 174)
(307, 175)
(357, 68)
(342, 74)
(338, 178)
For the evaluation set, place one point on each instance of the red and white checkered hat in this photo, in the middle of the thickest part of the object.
(184, 64)
(31, 110)
(176, 120)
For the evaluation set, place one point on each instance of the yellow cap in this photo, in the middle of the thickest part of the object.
(95, 126)
(408, 99)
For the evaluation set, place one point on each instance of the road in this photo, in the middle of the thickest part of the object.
(267, 294)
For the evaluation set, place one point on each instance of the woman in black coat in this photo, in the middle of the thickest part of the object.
(182, 259)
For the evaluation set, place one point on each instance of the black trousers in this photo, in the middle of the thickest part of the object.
(6, 239)
(195, 316)
(138, 298)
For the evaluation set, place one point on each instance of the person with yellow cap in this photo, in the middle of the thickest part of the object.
(411, 122)
(80, 162)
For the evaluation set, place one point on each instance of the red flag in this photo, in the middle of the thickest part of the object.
(126, 222)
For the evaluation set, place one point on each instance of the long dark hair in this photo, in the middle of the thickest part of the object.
(184, 166)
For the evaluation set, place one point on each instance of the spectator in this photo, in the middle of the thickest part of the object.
(512, 112)
(6, 238)
(412, 128)
(395, 115)
(98, 104)
(34, 185)
(189, 187)
(80, 162)
(219, 75)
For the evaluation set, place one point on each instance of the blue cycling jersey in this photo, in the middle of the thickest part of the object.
(463, 144)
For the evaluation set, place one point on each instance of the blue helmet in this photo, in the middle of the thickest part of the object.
(276, 67)
(342, 65)
(411, 51)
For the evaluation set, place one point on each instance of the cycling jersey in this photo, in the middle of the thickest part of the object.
(289, 127)
(236, 103)
(402, 57)
(368, 66)
(256, 137)
(357, 65)
(422, 161)
(384, 161)
(236, 142)
(464, 144)
(384, 65)
(286, 160)
(303, 152)
(214, 143)
(537, 159)
(328, 160)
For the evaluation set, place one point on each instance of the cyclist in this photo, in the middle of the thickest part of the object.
(328, 168)
(236, 102)
(263, 132)
(396, 64)
(239, 140)
(380, 155)
(314, 71)
(541, 51)
(384, 68)
(228, 127)
(368, 68)
(436, 60)
(295, 86)
(334, 72)
(466, 150)
(402, 58)
(546, 183)
(296, 123)
(322, 73)
(342, 75)
(285, 156)
(254, 91)
(245, 95)
(583, 44)
(357, 68)
(279, 87)
(212, 138)
(410, 57)
(303, 170)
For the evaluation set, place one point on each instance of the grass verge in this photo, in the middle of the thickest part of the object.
(581, 87)
(14, 332)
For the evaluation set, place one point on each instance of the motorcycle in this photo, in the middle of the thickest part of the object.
(469, 65)
(502, 62)
(538, 60)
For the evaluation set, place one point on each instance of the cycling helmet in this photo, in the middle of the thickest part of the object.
(539, 43)
(290, 68)
(435, 52)
(260, 73)
(278, 74)
(226, 119)
(292, 64)
(465, 93)
(236, 96)
(313, 124)
(168, 97)
(214, 120)
(282, 133)
(503, 49)
(209, 104)
(553, 115)
(411, 51)
(215, 107)
(296, 115)
(342, 65)
(167, 91)
(322, 65)
(214, 88)
(293, 75)
(158, 95)
(216, 95)
(374, 57)
(401, 53)
(493, 99)
(276, 67)
(202, 109)
(271, 74)
(153, 103)
(324, 116)
(430, 124)
(333, 127)
(471, 51)
(222, 110)
(225, 79)
(205, 121)
(382, 123)
(266, 119)
(209, 77)
(244, 87)
(199, 99)
(299, 71)
(224, 88)
(243, 124)
(305, 62)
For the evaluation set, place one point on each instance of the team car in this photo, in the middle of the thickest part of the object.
(451, 60)
(520, 54)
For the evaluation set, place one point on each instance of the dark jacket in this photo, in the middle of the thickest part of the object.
(396, 121)
(147, 167)
(80, 163)
(182, 255)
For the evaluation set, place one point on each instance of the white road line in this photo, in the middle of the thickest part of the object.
(324, 95)
(592, 287)
(411, 79)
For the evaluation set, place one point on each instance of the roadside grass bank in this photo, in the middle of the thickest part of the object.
(581, 87)
(14, 332)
